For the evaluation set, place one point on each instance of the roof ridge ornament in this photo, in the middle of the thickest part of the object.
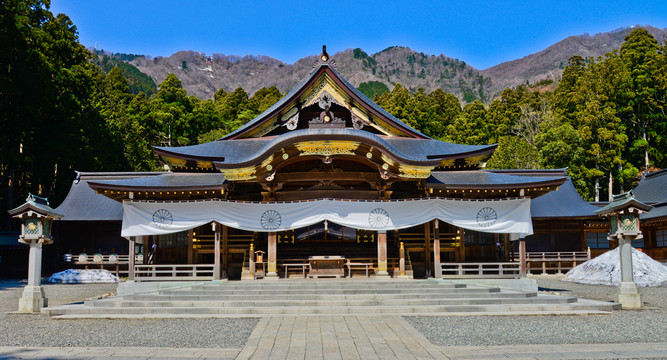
(324, 59)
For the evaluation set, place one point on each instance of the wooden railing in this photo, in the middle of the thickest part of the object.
(173, 272)
(554, 262)
(117, 264)
(507, 270)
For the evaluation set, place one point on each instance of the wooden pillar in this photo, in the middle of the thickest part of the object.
(506, 246)
(272, 268)
(462, 247)
(190, 246)
(251, 262)
(145, 241)
(437, 268)
(401, 260)
(427, 248)
(225, 251)
(130, 264)
(216, 251)
(522, 256)
(382, 254)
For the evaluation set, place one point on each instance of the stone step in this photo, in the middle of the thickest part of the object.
(325, 285)
(470, 308)
(208, 297)
(327, 303)
(278, 291)
(564, 312)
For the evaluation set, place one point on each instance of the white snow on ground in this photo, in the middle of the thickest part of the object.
(606, 270)
(73, 276)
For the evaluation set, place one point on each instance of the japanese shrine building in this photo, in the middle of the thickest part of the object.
(326, 171)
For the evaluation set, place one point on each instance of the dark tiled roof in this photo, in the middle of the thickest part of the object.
(564, 202)
(531, 172)
(659, 211)
(652, 188)
(227, 150)
(244, 151)
(164, 181)
(285, 99)
(83, 204)
(484, 179)
(432, 149)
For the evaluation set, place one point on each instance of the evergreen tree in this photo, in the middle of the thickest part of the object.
(639, 104)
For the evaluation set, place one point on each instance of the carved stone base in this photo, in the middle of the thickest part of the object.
(32, 300)
(628, 296)
(271, 275)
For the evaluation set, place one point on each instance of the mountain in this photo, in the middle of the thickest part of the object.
(202, 75)
(550, 62)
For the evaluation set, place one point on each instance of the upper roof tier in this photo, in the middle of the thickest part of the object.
(324, 107)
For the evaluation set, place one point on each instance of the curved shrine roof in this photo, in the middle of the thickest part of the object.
(652, 188)
(241, 151)
(488, 179)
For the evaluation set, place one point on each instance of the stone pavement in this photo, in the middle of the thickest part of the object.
(346, 337)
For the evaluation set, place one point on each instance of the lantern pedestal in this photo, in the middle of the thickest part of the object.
(36, 219)
(628, 295)
(623, 212)
(33, 298)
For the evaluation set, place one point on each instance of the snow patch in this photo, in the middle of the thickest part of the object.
(207, 69)
(606, 270)
(75, 276)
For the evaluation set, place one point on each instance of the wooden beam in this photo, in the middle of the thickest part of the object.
(130, 265)
(225, 251)
(427, 248)
(190, 245)
(437, 268)
(335, 176)
(272, 268)
(382, 255)
(216, 253)
(522, 257)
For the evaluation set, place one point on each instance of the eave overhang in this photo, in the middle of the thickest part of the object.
(171, 184)
(483, 183)
(252, 152)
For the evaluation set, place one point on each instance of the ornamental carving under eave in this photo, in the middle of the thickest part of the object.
(247, 173)
(327, 147)
(415, 172)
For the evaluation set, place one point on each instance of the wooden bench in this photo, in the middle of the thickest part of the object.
(303, 267)
(357, 265)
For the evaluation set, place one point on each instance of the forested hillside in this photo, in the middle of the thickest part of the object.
(202, 75)
(604, 120)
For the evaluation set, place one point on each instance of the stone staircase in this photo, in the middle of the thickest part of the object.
(343, 296)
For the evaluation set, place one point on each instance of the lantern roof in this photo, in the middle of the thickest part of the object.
(35, 205)
(622, 202)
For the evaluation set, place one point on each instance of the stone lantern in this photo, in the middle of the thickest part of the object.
(623, 212)
(36, 222)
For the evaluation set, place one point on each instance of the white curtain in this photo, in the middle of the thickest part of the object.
(494, 216)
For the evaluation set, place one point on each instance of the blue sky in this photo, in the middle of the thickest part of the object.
(481, 33)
